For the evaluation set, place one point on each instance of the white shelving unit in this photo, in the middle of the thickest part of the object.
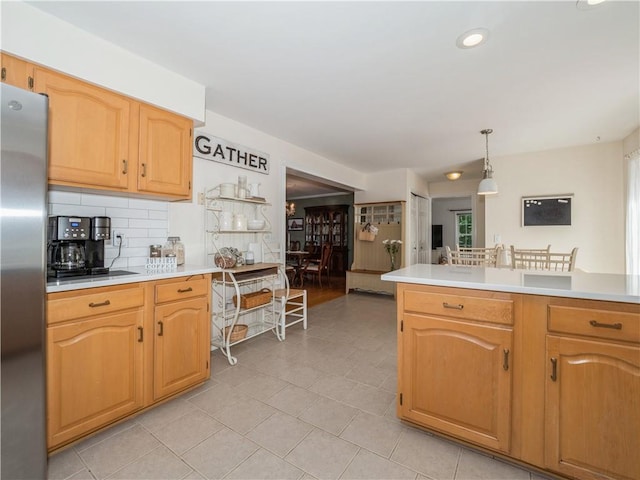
(240, 279)
(215, 205)
(259, 319)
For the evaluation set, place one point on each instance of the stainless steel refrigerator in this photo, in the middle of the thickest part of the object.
(23, 211)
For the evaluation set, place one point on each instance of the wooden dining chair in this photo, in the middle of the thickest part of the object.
(291, 307)
(318, 269)
(475, 257)
(543, 259)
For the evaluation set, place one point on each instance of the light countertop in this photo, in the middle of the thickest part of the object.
(141, 274)
(592, 286)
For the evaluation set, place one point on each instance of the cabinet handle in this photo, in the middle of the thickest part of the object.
(185, 290)
(161, 332)
(615, 326)
(505, 359)
(125, 167)
(554, 369)
(140, 334)
(4, 73)
(144, 170)
(103, 304)
(30, 83)
(455, 307)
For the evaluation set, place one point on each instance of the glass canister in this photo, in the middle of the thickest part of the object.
(155, 251)
(174, 247)
(242, 186)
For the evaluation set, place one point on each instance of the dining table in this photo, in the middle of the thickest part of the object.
(296, 257)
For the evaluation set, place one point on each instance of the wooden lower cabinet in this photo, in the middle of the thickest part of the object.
(94, 373)
(113, 351)
(566, 397)
(178, 324)
(592, 427)
(456, 378)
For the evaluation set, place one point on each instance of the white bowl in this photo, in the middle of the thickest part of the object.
(255, 224)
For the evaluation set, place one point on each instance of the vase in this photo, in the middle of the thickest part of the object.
(393, 261)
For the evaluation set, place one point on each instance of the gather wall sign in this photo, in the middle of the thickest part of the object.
(219, 150)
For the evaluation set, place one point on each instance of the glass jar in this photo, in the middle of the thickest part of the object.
(174, 247)
(242, 186)
(155, 251)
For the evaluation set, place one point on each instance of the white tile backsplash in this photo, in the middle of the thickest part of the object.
(143, 222)
(105, 201)
(127, 213)
(59, 197)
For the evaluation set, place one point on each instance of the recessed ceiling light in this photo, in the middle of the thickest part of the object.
(588, 4)
(453, 175)
(474, 37)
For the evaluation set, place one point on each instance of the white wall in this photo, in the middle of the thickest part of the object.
(30, 33)
(593, 174)
(387, 186)
(187, 219)
(631, 142)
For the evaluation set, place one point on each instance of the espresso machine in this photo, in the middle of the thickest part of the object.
(76, 246)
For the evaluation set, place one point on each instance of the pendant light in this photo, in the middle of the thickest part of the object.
(488, 185)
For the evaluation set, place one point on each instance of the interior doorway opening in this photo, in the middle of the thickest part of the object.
(452, 223)
(318, 212)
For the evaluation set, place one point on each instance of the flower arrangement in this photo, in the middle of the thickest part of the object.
(392, 247)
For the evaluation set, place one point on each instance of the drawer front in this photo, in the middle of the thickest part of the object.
(589, 322)
(96, 302)
(460, 306)
(169, 292)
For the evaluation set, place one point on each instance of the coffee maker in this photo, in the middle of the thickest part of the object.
(76, 246)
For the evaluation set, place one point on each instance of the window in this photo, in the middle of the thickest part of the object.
(464, 224)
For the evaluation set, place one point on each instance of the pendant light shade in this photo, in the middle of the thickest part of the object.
(488, 185)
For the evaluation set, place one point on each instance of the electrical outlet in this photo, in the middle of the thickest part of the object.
(114, 237)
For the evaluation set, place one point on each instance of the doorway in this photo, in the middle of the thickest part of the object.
(320, 211)
(419, 229)
(455, 223)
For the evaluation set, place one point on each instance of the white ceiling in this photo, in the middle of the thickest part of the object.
(382, 85)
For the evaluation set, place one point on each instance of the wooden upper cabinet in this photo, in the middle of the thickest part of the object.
(101, 140)
(16, 72)
(164, 155)
(88, 133)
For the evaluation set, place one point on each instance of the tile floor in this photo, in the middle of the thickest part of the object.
(319, 405)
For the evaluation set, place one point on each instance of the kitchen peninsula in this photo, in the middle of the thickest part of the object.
(539, 367)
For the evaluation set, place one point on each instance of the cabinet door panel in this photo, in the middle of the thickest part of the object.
(454, 379)
(94, 374)
(181, 345)
(165, 160)
(590, 432)
(88, 132)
